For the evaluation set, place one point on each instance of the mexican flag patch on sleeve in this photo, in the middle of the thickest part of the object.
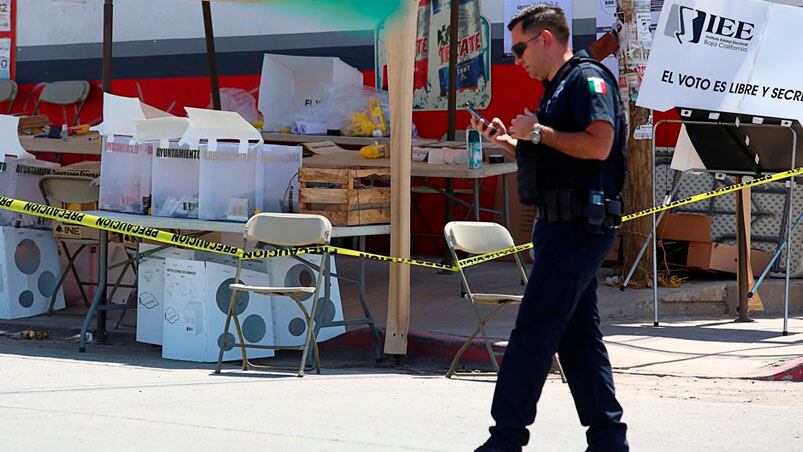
(597, 85)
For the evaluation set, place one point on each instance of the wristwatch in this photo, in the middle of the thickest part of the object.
(535, 135)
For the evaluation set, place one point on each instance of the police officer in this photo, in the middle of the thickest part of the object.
(571, 167)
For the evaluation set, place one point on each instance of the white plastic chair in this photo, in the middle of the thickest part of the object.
(281, 230)
(482, 238)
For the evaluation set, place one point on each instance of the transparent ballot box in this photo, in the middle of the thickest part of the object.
(227, 182)
(278, 177)
(125, 175)
(175, 182)
(19, 179)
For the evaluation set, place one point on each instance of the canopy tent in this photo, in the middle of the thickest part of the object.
(401, 16)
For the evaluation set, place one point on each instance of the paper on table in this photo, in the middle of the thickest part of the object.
(10, 140)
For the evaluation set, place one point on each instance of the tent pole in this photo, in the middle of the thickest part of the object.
(108, 21)
(211, 55)
(401, 58)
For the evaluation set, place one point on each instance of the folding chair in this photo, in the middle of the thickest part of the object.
(70, 190)
(482, 238)
(281, 230)
(8, 92)
(67, 189)
(65, 93)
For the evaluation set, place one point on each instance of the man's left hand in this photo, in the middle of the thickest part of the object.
(523, 124)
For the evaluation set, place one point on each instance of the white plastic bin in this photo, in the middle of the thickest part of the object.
(125, 175)
(279, 178)
(20, 180)
(175, 182)
(227, 183)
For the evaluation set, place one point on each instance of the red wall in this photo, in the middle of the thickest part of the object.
(513, 90)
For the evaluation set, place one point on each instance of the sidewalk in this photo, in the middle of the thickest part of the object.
(697, 336)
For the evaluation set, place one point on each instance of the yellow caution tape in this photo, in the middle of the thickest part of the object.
(122, 227)
(184, 241)
(711, 194)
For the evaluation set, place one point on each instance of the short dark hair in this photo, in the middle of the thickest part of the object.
(541, 16)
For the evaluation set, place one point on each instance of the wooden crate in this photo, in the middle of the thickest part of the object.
(341, 196)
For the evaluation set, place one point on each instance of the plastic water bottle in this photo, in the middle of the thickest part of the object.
(474, 144)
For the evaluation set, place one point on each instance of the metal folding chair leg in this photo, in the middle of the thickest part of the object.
(491, 354)
(311, 341)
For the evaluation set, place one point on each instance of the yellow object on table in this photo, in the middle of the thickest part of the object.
(369, 123)
(374, 151)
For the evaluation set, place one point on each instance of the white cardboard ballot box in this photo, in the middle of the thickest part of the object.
(196, 302)
(290, 83)
(29, 270)
(151, 284)
(289, 327)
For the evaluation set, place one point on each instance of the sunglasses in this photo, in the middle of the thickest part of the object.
(519, 48)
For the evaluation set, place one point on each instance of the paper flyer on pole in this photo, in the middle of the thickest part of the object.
(738, 56)
(5, 15)
(5, 59)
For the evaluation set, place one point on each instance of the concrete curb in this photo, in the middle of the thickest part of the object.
(424, 348)
(789, 371)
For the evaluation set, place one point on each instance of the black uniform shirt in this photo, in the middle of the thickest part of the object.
(585, 94)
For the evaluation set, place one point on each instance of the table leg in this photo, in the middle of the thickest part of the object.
(476, 199)
(100, 291)
(506, 202)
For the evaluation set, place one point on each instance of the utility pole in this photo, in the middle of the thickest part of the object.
(638, 191)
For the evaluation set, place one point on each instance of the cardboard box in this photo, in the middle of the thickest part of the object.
(196, 303)
(685, 227)
(288, 321)
(291, 83)
(151, 291)
(723, 258)
(321, 148)
(29, 271)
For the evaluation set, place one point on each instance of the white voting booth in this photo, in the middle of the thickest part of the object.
(29, 262)
(731, 61)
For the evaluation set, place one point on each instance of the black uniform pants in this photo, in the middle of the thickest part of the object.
(559, 314)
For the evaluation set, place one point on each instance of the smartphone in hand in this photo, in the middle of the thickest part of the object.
(473, 111)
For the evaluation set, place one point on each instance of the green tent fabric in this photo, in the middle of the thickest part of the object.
(375, 10)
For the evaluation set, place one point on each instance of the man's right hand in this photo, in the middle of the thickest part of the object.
(496, 133)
